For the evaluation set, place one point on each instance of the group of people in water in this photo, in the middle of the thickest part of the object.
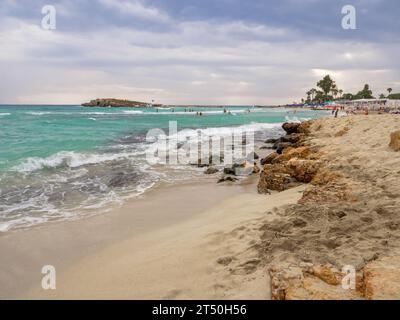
(200, 113)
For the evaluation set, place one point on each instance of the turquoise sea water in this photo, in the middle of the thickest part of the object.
(56, 161)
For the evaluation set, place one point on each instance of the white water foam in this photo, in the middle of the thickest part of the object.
(188, 138)
(69, 159)
(161, 112)
(46, 210)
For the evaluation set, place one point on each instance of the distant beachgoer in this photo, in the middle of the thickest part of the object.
(336, 113)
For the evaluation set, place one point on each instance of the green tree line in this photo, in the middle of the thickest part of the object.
(327, 90)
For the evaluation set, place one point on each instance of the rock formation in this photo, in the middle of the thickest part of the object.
(109, 102)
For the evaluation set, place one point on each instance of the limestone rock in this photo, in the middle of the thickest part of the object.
(227, 179)
(211, 170)
(324, 176)
(303, 170)
(382, 279)
(291, 127)
(289, 153)
(256, 169)
(309, 283)
(269, 158)
(229, 170)
(282, 146)
(312, 288)
(274, 177)
(252, 156)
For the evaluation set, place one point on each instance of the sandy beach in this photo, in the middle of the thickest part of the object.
(226, 241)
(183, 261)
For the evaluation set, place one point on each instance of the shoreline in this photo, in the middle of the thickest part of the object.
(65, 242)
(184, 260)
(236, 243)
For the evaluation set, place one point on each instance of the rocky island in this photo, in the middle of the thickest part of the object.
(110, 102)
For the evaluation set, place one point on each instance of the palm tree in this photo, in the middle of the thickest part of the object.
(340, 93)
(308, 93)
(389, 90)
(313, 92)
(334, 91)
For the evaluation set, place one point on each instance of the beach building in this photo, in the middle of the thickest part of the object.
(373, 104)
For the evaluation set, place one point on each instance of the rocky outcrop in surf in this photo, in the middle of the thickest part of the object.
(291, 163)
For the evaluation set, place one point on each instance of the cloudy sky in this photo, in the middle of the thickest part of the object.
(194, 51)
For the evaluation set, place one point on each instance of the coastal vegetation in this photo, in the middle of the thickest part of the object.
(327, 90)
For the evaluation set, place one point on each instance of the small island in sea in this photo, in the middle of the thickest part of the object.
(111, 102)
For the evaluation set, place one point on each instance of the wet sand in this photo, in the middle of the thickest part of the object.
(182, 260)
(63, 244)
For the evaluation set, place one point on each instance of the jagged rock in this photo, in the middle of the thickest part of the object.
(280, 146)
(324, 176)
(240, 164)
(211, 170)
(266, 147)
(207, 161)
(328, 193)
(122, 179)
(256, 168)
(289, 153)
(305, 127)
(326, 274)
(294, 137)
(274, 177)
(243, 169)
(201, 163)
(269, 158)
(252, 156)
(270, 140)
(230, 170)
(227, 178)
(395, 140)
(302, 170)
(309, 283)
(382, 279)
(291, 127)
(312, 288)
